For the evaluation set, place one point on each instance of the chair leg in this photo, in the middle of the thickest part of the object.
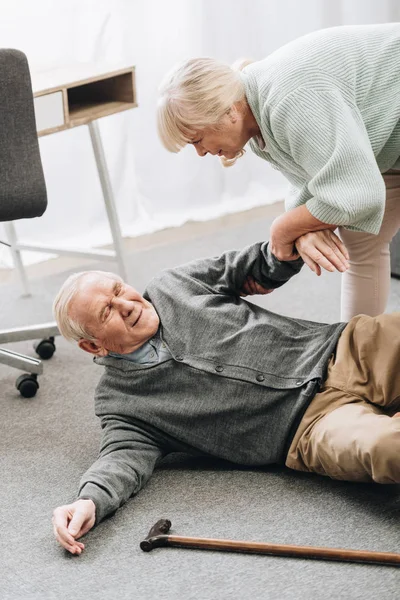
(21, 361)
(31, 332)
(16, 256)
(27, 383)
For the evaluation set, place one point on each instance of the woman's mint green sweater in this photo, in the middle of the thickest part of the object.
(328, 107)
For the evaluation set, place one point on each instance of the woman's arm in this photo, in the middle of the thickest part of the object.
(324, 134)
(290, 237)
(291, 225)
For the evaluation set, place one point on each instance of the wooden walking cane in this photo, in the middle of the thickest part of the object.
(158, 537)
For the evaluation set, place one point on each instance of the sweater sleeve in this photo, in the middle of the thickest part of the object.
(226, 274)
(326, 136)
(127, 459)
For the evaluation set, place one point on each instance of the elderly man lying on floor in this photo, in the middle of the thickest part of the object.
(193, 367)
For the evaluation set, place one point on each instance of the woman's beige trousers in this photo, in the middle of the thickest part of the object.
(366, 284)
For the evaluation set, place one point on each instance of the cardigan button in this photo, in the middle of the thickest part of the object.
(260, 377)
(179, 357)
(299, 382)
(219, 368)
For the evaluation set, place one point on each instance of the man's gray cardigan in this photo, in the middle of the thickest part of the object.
(236, 386)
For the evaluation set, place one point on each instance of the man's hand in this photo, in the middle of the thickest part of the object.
(323, 249)
(251, 287)
(71, 522)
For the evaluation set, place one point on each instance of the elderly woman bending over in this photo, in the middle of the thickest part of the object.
(325, 111)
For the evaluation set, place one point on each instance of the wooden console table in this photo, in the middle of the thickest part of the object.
(84, 96)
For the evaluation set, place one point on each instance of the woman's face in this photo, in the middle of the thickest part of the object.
(226, 138)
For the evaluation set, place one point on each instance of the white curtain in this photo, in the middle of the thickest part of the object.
(153, 189)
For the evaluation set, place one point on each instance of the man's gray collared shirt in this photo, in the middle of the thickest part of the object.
(235, 386)
(152, 352)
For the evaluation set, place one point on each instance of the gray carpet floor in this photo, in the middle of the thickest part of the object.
(46, 443)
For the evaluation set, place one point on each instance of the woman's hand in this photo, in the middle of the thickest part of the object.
(295, 224)
(323, 249)
(71, 522)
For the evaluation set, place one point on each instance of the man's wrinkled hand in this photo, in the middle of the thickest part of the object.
(323, 249)
(251, 287)
(72, 521)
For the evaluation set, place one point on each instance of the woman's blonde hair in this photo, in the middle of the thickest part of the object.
(70, 329)
(197, 94)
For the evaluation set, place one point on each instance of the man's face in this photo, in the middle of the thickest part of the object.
(113, 312)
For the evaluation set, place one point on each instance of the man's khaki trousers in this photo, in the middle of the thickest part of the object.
(348, 431)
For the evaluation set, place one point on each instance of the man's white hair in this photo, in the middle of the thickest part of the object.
(70, 329)
(197, 94)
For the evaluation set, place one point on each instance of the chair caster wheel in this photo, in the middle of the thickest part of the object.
(27, 385)
(45, 348)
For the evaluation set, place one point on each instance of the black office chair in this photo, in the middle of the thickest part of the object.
(22, 196)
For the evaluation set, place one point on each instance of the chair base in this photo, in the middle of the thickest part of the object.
(27, 383)
(32, 332)
(21, 361)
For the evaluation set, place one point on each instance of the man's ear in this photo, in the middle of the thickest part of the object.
(92, 347)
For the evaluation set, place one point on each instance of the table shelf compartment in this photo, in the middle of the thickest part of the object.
(100, 98)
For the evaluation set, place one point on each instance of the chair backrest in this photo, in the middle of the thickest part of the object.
(22, 186)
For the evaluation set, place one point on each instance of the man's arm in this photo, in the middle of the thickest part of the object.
(127, 459)
(227, 274)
